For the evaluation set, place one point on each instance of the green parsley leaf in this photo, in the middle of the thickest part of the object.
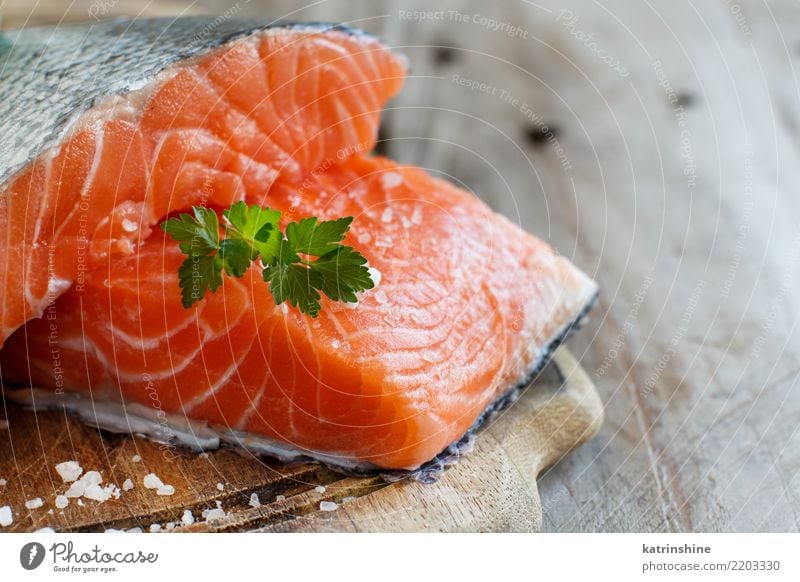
(343, 273)
(198, 234)
(256, 226)
(296, 284)
(310, 237)
(236, 256)
(197, 275)
(252, 233)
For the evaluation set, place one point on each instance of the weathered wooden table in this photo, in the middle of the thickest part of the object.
(658, 145)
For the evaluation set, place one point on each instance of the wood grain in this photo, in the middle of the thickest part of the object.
(492, 488)
(694, 347)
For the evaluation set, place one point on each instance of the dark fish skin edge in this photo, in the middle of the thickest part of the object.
(49, 75)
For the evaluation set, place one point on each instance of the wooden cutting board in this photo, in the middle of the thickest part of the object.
(493, 488)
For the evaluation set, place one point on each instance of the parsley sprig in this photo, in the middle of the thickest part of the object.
(252, 233)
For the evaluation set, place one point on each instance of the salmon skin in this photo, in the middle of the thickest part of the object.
(466, 307)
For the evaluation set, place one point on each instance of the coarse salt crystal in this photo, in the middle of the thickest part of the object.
(364, 238)
(45, 530)
(113, 530)
(386, 215)
(166, 490)
(212, 514)
(80, 502)
(187, 518)
(34, 503)
(254, 500)
(220, 487)
(151, 481)
(381, 297)
(391, 180)
(127, 485)
(98, 493)
(136, 529)
(375, 275)
(6, 517)
(77, 489)
(136, 459)
(69, 471)
(319, 489)
(328, 506)
(87, 486)
(171, 525)
(92, 478)
(62, 501)
(155, 527)
(129, 225)
(3, 482)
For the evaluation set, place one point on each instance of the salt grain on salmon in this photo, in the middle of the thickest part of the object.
(45, 530)
(254, 500)
(155, 527)
(127, 485)
(220, 487)
(136, 459)
(319, 489)
(69, 471)
(34, 503)
(61, 501)
(187, 518)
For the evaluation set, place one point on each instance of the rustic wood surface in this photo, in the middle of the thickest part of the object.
(657, 143)
(493, 488)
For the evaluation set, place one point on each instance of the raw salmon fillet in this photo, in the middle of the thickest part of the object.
(466, 307)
